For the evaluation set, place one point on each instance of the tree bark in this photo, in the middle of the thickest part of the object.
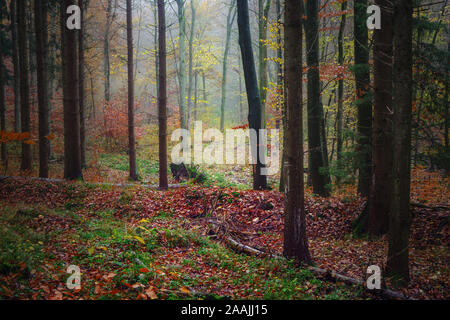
(316, 167)
(81, 91)
(40, 19)
(251, 84)
(363, 97)
(400, 214)
(72, 152)
(131, 136)
(15, 61)
(162, 100)
(382, 136)
(3, 154)
(295, 240)
(24, 84)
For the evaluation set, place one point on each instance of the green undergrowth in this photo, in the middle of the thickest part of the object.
(121, 258)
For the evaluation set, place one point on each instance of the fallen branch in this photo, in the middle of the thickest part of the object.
(330, 275)
(423, 206)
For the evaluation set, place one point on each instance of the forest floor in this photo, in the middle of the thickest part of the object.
(135, 242)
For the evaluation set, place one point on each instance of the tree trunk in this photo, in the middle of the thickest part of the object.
(15, 61)
(263, 15)
(400, 214)
(251, 84)
(363, 97)
(295, 240)
(340, 107)
(182, 67)
(2, 92)
(380, 202)
(81, 92)
(191, 72)
(40, 19)
(107, 66)
(316, 167)
(230, 20)
(131, 136)
(24, 84)
(162, 101)
(72, 152)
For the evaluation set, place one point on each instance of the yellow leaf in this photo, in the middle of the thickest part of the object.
(91, 250)
(139, 239)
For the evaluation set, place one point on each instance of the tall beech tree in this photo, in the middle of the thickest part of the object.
(400, 217)
(295, 240)
(72, 151)
(40, 20)
(316, 165)
(381, 193)
(251, 84)
(363, 100)
(162, 99)
(131, 134)
(230, 20)
(24, 83)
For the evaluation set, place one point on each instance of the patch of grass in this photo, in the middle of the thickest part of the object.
(21, 247)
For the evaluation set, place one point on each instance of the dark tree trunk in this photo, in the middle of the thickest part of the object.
(380, 202)
(15, 60)
(251, 84)
(24, 84)
(295, 240)
(81, 92)
(40, 19)
(131, 136)
(162, 101)
(400, 214)
(316, 167)
(2, 93)
(72, 152)
(363, 97)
